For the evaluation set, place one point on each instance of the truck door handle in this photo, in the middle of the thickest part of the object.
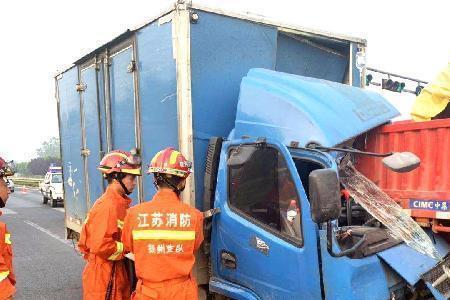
(228, 259)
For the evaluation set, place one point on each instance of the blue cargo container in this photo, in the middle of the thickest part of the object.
(225, 90)
(175, 82)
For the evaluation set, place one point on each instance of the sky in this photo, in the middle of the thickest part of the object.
(41, 37)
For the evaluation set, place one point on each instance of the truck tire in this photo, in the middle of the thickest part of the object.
(45, 200)
(53, 201)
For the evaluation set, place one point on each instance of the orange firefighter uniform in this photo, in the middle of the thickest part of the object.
(100, 243)
(163, 234)
(7, 278)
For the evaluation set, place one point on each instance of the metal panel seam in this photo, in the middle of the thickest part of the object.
(350, 65)
(137, 113)
(58, 109)
(100, 129)
(181, 45)
(83, 141)
(107, 101)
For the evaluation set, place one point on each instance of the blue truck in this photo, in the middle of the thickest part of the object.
(247, 100)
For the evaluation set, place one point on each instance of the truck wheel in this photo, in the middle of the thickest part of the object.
(45, 200)
(54, 202)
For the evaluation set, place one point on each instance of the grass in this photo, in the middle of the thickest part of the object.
(30, 182)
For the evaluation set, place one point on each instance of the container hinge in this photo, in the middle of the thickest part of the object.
(81, 87)
(131, 66)
(106, 61)
(85, 152)
(97, 63)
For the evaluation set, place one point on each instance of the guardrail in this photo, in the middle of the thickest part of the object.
(31, 182)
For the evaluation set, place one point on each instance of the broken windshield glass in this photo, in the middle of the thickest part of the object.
(386, 210)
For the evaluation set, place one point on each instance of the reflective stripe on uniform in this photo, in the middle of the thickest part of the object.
(119, 250)
(163, 235)
(120, 224)
(8, 239)
(3, 275)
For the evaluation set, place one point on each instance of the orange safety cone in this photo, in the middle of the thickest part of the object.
(24, 189)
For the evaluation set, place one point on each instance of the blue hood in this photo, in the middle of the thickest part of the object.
(295, 108)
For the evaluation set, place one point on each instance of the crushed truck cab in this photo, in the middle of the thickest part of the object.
(251, 238)
(250, 102)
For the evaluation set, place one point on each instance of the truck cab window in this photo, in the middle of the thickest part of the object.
(262, 188)
(304, 168)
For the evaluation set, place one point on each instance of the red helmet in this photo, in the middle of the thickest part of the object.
(121, 162)
(170, 161)
(6, 168)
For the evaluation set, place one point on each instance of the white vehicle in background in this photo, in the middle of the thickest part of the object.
(52, 186)
(10, 184)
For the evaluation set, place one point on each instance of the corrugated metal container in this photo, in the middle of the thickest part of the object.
(425, 192)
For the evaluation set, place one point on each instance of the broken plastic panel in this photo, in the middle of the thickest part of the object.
(386, 210)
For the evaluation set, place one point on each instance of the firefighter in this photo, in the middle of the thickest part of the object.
(105, 275)
(7, 278)
(164, 234)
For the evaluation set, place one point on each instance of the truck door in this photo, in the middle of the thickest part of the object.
(257, 245)
(92, 143)
(122, 102)
(71, 143)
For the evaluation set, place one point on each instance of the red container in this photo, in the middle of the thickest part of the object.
(425, 192)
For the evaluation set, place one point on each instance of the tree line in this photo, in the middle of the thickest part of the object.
(46, 154)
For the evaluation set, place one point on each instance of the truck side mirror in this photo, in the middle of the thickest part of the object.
(402, 162)
(324, 195)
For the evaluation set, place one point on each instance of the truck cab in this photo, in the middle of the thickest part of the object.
(52, 186)
(258, 249)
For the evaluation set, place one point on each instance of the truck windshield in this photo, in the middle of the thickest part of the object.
(385, 210)
(57, 178)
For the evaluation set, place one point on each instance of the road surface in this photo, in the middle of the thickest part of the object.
(46, 265)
